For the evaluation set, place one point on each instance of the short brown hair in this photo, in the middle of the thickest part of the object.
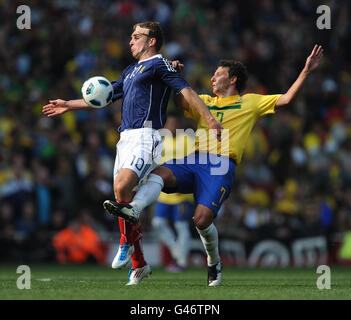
(155, 32)
(236, 69)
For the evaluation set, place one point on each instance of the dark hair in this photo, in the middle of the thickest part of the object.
(155, 31)
(236, 69)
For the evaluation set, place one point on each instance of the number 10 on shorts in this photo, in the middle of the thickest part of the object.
(139, 163)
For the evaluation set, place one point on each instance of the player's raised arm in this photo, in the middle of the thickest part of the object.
(192, 99)
(59, 106)
(312, 63)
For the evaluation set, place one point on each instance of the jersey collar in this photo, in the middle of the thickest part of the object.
(159, 55)
(230, 98)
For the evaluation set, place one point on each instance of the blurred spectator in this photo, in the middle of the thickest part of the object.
(78, 243)
(58, 221)
(43, 195)
(6, 214)
(10, 246)
(19, 186)
(27, 223)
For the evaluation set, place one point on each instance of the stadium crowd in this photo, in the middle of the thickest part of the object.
(295, 177)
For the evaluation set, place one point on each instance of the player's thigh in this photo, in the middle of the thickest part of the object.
(140, 152)
(203, 216)
(178, 178)
(212, 190)
(167, 175)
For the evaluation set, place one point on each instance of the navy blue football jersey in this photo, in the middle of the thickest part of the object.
(145, 88)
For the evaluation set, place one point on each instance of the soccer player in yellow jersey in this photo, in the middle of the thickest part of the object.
(237, 114)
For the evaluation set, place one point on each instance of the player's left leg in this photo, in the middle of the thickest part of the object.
(211, 190)
(203, 220)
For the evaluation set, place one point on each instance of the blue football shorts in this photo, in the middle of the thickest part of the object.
(209, 177)
(175, 212)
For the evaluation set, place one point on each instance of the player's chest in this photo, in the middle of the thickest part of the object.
(228, 114)
(139, 75)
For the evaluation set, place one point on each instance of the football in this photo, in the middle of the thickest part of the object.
(97, 92)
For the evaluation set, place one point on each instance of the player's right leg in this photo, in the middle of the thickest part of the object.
(131, 234)
(166, 178)
(141, 155)
(123, 186)
(138, 151)
(125, 250)
(147, 194)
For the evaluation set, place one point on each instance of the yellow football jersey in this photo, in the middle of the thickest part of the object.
(174, 148)
(238, 115)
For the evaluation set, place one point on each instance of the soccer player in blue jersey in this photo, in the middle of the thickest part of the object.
(198, 172)
(145, 87)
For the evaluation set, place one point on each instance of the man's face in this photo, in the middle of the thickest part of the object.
(138, 44)
(220, 80)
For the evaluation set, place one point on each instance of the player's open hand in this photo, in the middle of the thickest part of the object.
(216, 128)
(178, 66)
(55, 107)
(314, 58)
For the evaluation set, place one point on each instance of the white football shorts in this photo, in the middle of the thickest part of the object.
(139, 150)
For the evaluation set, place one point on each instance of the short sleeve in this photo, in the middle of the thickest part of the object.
(118, 88)
(265, 104)
(170, 76)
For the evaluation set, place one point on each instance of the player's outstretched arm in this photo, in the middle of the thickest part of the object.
(59, 106)
(180, 102)
(192, 99)
(312, 63)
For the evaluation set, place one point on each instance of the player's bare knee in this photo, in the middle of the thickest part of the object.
(122, 191)
(167, 176)
(202, 221)
(203, 217)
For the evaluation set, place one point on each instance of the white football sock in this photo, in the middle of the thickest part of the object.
(165, 234)
(148, 193)
(209, 238)
(183, 241)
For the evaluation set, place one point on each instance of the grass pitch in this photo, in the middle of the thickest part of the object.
(91, 282)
